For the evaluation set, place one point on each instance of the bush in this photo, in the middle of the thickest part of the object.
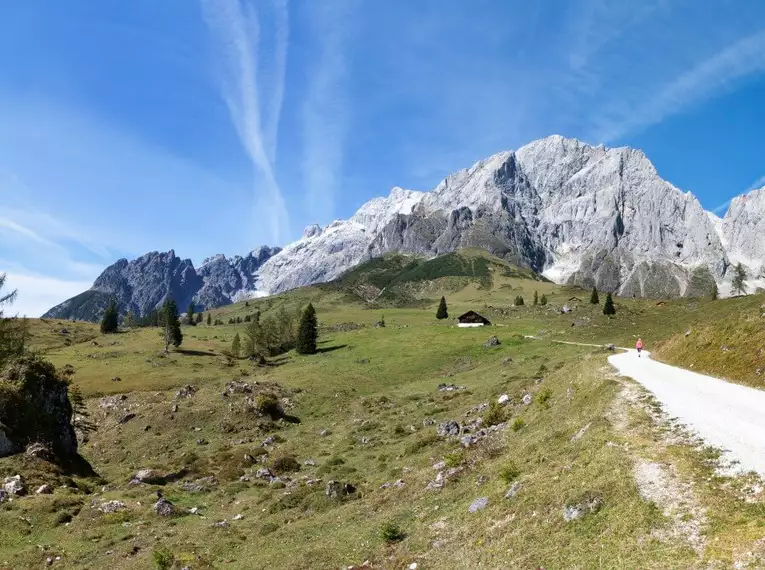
(267, 404)
(518, 424)
(494, 415)
(518, 301)
(543, 299)
(454, 459)
(163, 558)
(391, 532)
(268, 528)
(544, 397)
(399, 430)
(509, 472)
(285, 464)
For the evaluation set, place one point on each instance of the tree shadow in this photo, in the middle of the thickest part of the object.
(330, 348)
(189, 352)
(291, 419)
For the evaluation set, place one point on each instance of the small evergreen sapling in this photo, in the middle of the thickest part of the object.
(608, 307)
(308, 331)
(173, 334)
(442, 312)
(236, 346)
(536, 298)
(190, 315)
(110, 321)
(594, 299)
(543, 299)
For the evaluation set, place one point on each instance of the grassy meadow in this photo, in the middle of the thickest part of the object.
(365, 411)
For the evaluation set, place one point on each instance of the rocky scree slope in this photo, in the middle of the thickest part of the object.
(578, 214)
(144, 284)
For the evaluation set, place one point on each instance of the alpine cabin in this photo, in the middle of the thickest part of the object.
(472, 319)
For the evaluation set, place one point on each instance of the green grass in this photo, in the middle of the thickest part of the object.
(368, 409)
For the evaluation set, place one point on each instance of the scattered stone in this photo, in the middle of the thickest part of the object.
(335, 489)
(201, 485)
(365, 441)
(165, 508)
(325, 433)
(467, 440)
(112, 506)
(578, 435)
(3, 496)
(478, 505)
(448, 428)
(111, 402)
(428, 422)
(688, 332)
(493, 341)
(221, 524)
(575, 512)
(186, 392)
(513, 490)
(116, 379)
(482, 479)
(412, 566)
(263, 473)
(238, 517)
(126, 418)
(148, 476)
(439, 466)
(310, 462)
(270, 440)
(507, 360)
(526, 399)
(194, 510)
(202, 442)
(362, 361)
(449, 387)
(453, 472)
(14, 485)
(235, 387)
(503, 399)
(40, 451)
(44, 490)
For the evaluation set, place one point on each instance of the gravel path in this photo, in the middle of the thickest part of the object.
(728, 416)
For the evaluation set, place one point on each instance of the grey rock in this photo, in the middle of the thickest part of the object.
(112, 506)
(40, 451)
(263, 473)
(513, 490)
(493, 341)
(165, 508)
(526, 399)
(478, 505)
(336, 489)
(448, 428)
(579, 510)
(14, 485)
(148, 476)
(44, 490)
(310, 462)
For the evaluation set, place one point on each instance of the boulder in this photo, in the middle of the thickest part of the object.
(165, 508)
(478, 505)
(14, 486)
(44, 490)
(503, 399)
(577, 511)
(148, 476)
(336, 489)
(107, 507)
(448, 428)
(526, 399)
(493, 341)
(40, 451)
(513, 490)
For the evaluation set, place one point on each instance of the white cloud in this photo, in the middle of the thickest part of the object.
(38, 293)
(712, 77)
(6, 224)
(325, 110)
(236, 31)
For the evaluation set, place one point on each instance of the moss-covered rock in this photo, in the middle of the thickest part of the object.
(35, 407)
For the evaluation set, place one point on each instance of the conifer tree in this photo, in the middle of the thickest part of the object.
(519, 301)
(190, 315)
(543, 299)
(442, 312)
(173, 334)
(739, 276)
(209, 319)
(608, 307)
(110, 320)
(308, 331)
(199, 318)
(236, 346)
(714, 292)
(130, 320)
(594, 299)
(536, 298)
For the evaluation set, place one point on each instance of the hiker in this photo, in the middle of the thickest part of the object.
(639, 346)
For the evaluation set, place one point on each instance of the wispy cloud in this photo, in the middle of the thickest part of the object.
(757, 184)
(38, 293)
(707, 79)
(235, 28)
(326, 109)
(6, 224)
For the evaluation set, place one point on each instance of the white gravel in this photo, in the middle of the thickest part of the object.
(728, 416)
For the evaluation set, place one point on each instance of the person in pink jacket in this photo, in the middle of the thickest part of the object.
(639, 346)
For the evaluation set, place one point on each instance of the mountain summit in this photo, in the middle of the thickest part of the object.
(578, 214)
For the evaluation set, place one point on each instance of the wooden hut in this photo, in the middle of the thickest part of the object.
(472, 319)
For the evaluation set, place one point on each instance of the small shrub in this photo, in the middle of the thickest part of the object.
(454, 459)
(268, 405)
(391, 532)
(268, 528)
(334, 461)
(518, 424)
(163, 558)
(544, 397)
(543, 299)
(494, 415)
(518, 301)
(285, 464)
(399, 430)
(509, 473)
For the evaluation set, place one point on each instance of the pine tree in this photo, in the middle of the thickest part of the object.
(519, 301)
(594, 299)
(173, 334)
(714, 292)
(110, 320)
(442, 313)
(536, 298)
(209, 319)
(130, 320)
(236, 346)
(239, 320)
(543, 299)
(199, 318)
(739, 276)
(307, 332)
(190, 315)
(608, 307)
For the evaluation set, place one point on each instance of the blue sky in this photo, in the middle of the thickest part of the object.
(212, 126)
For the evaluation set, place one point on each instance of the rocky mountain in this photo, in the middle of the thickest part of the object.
(576, 213)
(145, 283)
